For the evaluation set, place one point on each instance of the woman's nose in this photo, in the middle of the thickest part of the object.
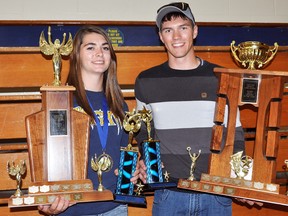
(98, 52)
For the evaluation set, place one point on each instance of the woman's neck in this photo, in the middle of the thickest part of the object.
(93, 83)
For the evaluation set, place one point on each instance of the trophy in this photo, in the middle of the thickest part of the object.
(252, 55)
(193, 157)
(241, 164)
(101, 164)
(152, 158)
(237, 87)
(128, 160)
(18, 171)
(58, 143)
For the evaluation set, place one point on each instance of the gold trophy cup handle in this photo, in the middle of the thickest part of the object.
(234, 50)
(273, 52)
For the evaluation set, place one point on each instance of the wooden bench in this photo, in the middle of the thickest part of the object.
(25, 69)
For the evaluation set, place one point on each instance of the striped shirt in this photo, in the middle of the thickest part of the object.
(182, 104)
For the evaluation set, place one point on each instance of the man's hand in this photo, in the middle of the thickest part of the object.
(249, 202)
(142, 171)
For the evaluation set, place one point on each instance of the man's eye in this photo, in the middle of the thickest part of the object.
(90, 48)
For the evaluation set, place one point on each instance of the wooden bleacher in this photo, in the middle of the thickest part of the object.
(24, 70)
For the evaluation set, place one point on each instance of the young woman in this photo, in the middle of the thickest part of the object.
(93, 72)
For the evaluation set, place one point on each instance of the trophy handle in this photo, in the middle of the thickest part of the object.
(234, 49)
(273, 52)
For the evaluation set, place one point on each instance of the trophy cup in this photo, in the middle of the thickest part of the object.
(152, 158)
(58, 142)
(128, 160)
(252, 55)
(18, 171)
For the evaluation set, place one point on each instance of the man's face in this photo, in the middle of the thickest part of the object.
(177, 36)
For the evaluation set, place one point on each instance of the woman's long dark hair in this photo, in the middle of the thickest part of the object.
(111, 86)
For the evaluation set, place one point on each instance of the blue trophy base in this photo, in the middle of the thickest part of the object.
(130, 199)
(160, 185)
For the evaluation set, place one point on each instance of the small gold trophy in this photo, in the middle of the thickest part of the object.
(18, 171)
(101, 164)
(193, 157)
(56, 49)
(240, 164)
(252, 55)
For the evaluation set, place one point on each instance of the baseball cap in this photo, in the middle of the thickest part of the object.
(181, 7)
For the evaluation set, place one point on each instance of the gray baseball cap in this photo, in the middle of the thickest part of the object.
(181, 7)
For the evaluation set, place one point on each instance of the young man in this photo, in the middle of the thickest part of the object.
(181, 94)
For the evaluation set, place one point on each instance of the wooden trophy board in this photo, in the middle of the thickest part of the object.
(269, 95)
(58, 144)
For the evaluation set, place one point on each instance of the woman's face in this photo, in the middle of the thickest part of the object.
(95, 54)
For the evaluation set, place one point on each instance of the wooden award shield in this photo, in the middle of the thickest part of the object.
(58, 144)
(218, 181)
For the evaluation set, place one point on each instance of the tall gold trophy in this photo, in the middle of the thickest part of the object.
(58, 142)
(228, 172)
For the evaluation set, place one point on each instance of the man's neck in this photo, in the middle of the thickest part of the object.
(184, 63)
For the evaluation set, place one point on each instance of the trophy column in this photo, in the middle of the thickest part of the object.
(58, 149)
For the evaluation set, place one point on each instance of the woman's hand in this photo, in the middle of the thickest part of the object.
(59, 205)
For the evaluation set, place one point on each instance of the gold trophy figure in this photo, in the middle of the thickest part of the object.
(240, 164)
(17, 171)
(131, 124)
(146, 117)
(252, 54)
(56, 49)
(101, 164)
(193, 157)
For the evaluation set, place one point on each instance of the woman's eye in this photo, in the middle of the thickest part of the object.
(106, 48)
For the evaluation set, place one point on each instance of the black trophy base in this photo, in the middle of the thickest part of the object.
(160, 185)
(130, 199)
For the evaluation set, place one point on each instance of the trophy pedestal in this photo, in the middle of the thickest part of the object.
(130, 199)
(160, 185)
(43, 193)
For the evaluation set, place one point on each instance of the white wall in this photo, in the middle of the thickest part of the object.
(258, 11)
